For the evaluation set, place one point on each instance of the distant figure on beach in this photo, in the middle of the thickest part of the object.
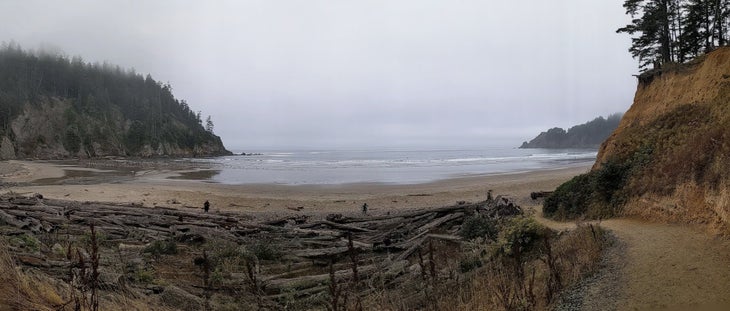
(206, 206)
(365, 209)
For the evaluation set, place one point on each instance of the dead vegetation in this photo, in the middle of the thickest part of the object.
(92, 256)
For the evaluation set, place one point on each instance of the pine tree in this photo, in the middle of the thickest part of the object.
(666, 31)
(652, 21)
(697, 38)
(209, 125)
(722, 21)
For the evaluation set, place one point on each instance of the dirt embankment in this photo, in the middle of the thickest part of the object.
(699, 82)
(676, 139)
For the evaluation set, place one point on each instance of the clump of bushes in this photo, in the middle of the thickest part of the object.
(525, 268)
(478, 227)
(263, 250)
(516, 238)
(26, 241)
(599, 193)
(162, 247)
(520, 235)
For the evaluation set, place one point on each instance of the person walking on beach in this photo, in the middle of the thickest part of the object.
(206, 206)
(365, 209)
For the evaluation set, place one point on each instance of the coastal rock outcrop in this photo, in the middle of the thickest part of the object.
(53, 107)
(587, 135)
(47, 129)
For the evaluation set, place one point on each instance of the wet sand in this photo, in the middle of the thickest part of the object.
(156, 188)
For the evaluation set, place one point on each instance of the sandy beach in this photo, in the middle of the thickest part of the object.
(635, 275)
(153, 188)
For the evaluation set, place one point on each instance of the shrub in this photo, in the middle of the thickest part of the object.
(520, 234)
(599, 193)
(570, 199)
(142, 276)
(161, 247)
(264, 250)
(26, 241)
(72, 140)
(470, 263)
(478, 227)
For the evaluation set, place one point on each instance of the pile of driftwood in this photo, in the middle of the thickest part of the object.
(315, 251)
(540, 194)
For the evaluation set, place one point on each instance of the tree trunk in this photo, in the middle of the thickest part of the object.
(666, 49)
(719, 20)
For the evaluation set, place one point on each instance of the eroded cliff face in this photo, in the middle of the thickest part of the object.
(676, 136)
(50, 129)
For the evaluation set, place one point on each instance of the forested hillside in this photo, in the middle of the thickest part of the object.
(587, 135)
(52, 106)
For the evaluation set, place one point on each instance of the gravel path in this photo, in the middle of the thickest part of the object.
(654, 266)
(602, 290)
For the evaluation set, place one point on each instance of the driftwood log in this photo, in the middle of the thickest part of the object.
(377, 244)
(540, 194)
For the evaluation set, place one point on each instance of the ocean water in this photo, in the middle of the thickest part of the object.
(392, 166)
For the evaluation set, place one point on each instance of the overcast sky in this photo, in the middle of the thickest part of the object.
(349, 74)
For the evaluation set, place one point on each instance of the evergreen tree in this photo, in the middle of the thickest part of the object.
(652, 21)
(696, 37)
(666, 31)
(209, 125)
(100, 97)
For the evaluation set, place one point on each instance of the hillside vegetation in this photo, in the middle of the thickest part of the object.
(587, 135)
(670, 156)
(55, 107)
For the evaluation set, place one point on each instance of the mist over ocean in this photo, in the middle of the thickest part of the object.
(392, 166)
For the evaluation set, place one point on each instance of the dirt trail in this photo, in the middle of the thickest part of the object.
(664, 266)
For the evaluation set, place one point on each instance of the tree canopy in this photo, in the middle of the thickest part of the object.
(97, 92)
(665, 31)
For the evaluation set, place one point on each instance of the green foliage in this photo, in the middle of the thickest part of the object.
(136, 136)
(570, 199)
(470, 263)
(478, 227)
(599, 193)
(143, 276)
(667, 31)
(101, 239)
(72, 140)
(162, 247)
(265, 250)
(102, 96)
(519, 235)
(27, 241)
(226, 255)
(209, 125)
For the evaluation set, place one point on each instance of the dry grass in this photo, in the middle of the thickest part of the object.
(684, 118)
(560, 261)
(31, 289)
(20, 290)
(504, 281)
